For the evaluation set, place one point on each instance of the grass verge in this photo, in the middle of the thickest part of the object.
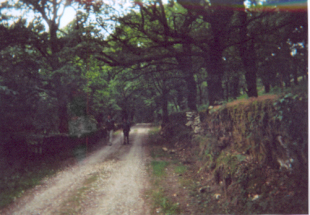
(161, 201)
(163, 204)
(159, 167)
(14, 186)
(163, 171)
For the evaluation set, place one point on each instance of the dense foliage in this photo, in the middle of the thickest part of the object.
(142, 62)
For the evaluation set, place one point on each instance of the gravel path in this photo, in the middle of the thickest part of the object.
(114, 176)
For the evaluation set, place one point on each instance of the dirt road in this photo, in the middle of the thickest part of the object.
(109, 181)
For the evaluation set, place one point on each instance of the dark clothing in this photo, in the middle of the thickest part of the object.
(110, 124)
(126, 128)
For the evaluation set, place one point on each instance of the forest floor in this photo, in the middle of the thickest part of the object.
(111, 180)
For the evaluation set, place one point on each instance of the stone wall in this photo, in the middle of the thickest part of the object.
(193, 121)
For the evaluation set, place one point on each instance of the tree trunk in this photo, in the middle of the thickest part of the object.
(132, 114)
(248, 56)
(61, 92)
(248, 59)
(227, 90)
(192, 92)
(219, 20)
(165, 116)
(267, 87)
(215, 90)
(63, 118)
(62, 95)
(235, 87)
(124, 113)
(215, 75)
(185, 65)
(180, 99)
(250, 77)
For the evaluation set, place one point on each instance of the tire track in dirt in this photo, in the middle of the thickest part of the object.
(120, 192)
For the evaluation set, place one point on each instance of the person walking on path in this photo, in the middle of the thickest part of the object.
(126, 129)
(110, 128)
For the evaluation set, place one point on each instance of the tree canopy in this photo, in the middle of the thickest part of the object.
(142, 62)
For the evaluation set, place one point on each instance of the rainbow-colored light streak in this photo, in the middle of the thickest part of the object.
(287, 5)
(282, 5)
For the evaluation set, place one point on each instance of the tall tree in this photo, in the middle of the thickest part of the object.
(55, 47)
(161, 38)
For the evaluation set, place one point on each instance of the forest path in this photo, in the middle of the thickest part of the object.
(109, 181)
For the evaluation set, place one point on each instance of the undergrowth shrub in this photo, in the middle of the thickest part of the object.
(176, 130)
(154, 137)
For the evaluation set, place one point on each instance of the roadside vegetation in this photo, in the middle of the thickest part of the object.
(158, 194)
(15, 185)
(28, 173)
(252, 158)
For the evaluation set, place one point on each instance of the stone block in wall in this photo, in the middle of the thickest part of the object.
(193, 120)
